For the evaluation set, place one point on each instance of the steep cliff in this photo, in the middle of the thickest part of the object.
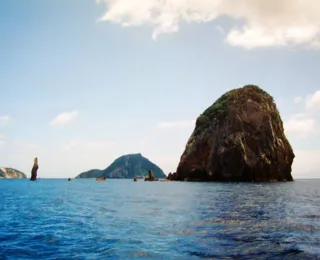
(126, 166)
(9, 173)
(239, 138)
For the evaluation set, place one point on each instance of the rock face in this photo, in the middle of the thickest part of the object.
(9, 173)
(127, 166)
(239, 138)
(34, 170)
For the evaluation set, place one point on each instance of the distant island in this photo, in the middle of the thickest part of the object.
(239, 138)
(128, 166)
(10, 173)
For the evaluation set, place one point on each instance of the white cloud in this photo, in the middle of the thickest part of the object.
(313, 101)
(4, 120)
(1, 139)
(250, 38)
(297, 100)
(263, 22)
(300, 126)
(176, 124)
(257, 36)
(304, 125)
(64, 118)
(306, 164)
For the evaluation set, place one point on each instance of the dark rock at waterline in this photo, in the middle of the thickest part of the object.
(171, 176)
(239, 138)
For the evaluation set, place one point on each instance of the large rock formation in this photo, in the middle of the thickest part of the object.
(239, 138)
(127, 166)
(9, 173)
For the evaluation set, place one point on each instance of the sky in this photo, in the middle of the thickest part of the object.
(85, 82)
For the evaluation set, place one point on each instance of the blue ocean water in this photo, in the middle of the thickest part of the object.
(122, 219)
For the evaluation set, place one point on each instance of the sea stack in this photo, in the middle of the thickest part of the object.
(34, 170)
(151, 176)
(239, 138)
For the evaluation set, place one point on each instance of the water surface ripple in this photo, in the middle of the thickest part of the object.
(122, 219)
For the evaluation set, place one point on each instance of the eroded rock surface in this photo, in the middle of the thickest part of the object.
(239, 138)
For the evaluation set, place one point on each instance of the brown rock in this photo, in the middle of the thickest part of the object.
(171, 176)
(34, 170)
(239, 138)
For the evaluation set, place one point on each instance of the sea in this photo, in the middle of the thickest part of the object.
(122, 219)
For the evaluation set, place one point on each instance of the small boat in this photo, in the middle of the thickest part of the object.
(101, 179)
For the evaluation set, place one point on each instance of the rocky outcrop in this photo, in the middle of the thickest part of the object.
(171, 176)
(34, 170)
(151, 177)
(239, 138)
(9, 173)
(127, 166)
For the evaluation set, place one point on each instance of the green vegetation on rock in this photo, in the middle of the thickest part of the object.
(240, 137)
(219, 110)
